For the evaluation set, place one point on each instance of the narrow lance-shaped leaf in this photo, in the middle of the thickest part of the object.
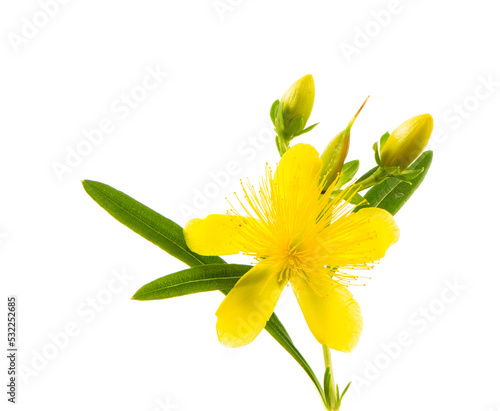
(169, 236)
(193, 280)
(392, 194)
(349, 170)
(147, 223)
(220, 277)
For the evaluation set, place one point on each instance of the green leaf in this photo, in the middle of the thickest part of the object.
(355, 199)
(147, 223)
(345, 390)
(169, 236)
(276, 325)
(383, 140)
(198, 279)
(328, 387)
(220, 277)
(349, 170)
(392, 194)
(287, 344)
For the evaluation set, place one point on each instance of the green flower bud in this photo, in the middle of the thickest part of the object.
(334, 156)
(406, 142)
(297, 101)
(336, 152)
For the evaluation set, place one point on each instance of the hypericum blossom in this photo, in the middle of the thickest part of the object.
(299, 236)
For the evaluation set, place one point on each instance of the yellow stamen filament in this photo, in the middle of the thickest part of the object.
(301, 232)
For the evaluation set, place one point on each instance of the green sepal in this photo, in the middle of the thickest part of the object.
(392, 170)
(392, 193)
(306, 130)
(383, 140)
(410, 174)
(295, 127)
(348, 172)
(274, 111)
(279, 120)
(377, 155)
(406, 176)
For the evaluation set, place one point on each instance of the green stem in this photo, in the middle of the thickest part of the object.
(332, 388)
(376, 178)
(283, 144)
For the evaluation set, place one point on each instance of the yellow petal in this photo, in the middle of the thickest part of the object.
(299, 164)
(334, 317)
(297, 178)
(248, 306)
(217, 234)
(359, 238)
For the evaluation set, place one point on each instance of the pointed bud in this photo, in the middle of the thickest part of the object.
(336, 152)
(297, 101)
(406, 142)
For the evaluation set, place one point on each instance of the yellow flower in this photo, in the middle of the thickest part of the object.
(298, 236)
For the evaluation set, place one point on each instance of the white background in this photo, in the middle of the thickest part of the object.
(59, 249)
